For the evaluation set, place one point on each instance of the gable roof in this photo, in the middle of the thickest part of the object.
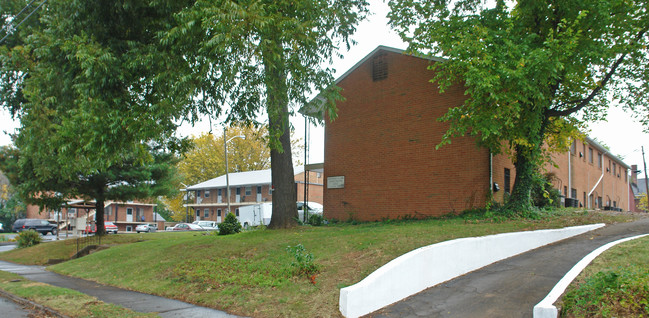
(237, 179)
(315, 107)
(639, 188)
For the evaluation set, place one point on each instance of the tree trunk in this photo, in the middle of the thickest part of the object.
(284, 195)
(99, 217)
(281, 161)
(520, 200)
(528, 160)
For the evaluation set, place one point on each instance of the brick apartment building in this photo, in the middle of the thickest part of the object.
(126, 215)
(380, 158)
(209, 201)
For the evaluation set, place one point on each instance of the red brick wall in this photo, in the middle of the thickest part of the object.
(33, 212)
(213, 197)
(383, 143)
(316, 181)
(500, 162)
(120, 215)
(585, 175)
(581, 176)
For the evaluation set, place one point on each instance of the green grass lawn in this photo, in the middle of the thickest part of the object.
(251, 274)
(615, 284)
(65, 301)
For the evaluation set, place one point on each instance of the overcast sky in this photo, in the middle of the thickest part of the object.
(621, 133)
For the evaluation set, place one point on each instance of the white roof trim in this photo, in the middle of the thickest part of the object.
(605, 152)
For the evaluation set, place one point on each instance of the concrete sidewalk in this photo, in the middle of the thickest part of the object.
(509, 288)
(129, 299)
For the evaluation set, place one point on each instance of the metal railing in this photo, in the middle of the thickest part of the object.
(85, 241)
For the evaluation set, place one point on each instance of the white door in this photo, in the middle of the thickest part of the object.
(129, 214)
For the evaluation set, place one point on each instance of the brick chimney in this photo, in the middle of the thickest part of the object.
(634, 174)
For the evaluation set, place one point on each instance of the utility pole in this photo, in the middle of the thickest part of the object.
(646, 180)
(227, 178)
(305, 208)
(225, 150)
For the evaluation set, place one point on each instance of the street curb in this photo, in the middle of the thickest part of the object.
(30, 304)
(546, 308)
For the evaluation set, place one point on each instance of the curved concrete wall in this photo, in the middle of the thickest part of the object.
(546, 308)
(434, 264)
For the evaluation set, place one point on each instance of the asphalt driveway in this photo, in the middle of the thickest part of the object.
(511, 287)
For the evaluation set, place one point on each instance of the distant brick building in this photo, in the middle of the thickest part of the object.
(381, 163)
(126, 215)
(209, 200)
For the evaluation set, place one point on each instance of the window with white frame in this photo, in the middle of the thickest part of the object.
(206, 213)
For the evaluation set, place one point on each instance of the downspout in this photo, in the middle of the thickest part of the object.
(600, 179)
(628, 193)
(570, 174)
(491, 174)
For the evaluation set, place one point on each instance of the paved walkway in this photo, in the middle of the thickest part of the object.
(10, 309)
(509, 288)
(129, 299)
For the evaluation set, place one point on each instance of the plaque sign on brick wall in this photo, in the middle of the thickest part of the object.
(337, 182)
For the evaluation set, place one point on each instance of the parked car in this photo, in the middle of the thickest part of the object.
(38, 225)
(149, 227)
(110, 227)
(207, 225)
(187, 227)
(311, 207)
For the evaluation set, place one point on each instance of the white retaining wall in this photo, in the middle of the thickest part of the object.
(546, 308)
(434, 264)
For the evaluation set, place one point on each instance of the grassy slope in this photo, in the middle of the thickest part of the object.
(615, 284)
(250, 273)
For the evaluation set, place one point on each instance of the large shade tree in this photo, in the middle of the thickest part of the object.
(255, 56)
(39, 183)
(533, 70)
(80, 76)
